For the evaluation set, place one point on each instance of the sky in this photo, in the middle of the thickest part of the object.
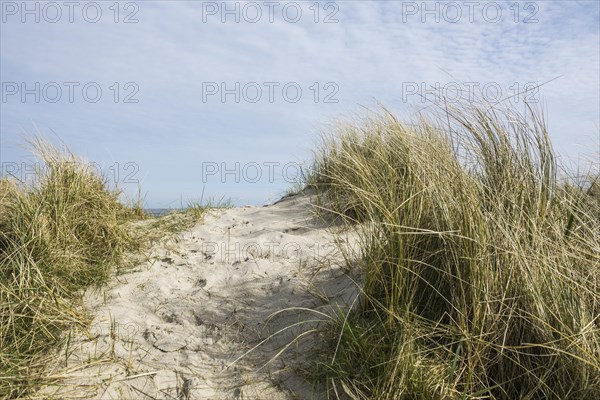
(184, 101)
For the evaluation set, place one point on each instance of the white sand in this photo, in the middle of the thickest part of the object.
(178, 326)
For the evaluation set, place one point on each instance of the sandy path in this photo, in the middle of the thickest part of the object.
(174, 327)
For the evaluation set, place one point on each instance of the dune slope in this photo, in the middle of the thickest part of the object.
(193, 322)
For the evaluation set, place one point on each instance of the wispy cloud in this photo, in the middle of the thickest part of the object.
(371, 53)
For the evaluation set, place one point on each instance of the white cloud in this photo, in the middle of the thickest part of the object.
(370, 53)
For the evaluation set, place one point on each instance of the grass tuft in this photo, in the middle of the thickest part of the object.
(60, 232)
(481, 260)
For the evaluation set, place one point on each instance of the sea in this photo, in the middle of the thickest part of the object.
(159, 212)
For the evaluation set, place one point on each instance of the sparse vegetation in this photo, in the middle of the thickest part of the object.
(481, 265)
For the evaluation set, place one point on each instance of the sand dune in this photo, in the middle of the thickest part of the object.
(191, 323)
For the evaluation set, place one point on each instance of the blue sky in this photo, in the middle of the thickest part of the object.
(180, 138)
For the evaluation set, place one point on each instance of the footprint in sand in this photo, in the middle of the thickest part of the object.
(166, 338)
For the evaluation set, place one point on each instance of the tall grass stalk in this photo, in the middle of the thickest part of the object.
(60, 232)
(481, 261)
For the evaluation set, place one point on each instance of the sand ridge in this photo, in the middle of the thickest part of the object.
(229, 309)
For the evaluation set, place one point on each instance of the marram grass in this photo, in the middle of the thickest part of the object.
(481, 261)
(59, 233)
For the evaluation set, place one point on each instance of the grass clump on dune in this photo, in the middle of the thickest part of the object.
(481, 264)
(59, 233)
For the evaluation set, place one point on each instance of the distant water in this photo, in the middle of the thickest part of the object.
(159, 212)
